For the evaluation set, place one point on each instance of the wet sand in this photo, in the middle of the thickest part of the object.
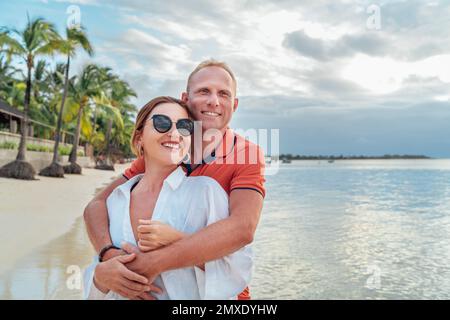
(42, 232)
(52, 270)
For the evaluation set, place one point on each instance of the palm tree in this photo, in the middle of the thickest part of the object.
(82, 91)
(41, 95)
(11, 90)
(121, 136)
(47, 97)
(120, 93)
(27, 44)
(7, 72)
(14, 94)
(75, 38)
(38, 83)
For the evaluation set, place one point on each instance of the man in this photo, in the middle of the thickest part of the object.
(211, 98)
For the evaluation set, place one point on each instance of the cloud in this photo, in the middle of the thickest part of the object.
(307, 46)
(311, 68)
(140, 47)
(345, 47)
(82, 2)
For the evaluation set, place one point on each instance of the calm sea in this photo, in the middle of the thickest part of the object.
(344, 230)
(366, 229)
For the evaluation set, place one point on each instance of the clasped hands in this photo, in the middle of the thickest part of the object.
(131, 271)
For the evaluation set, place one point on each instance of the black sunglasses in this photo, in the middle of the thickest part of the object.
(163, 124)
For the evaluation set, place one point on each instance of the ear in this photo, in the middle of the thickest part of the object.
(185, 97)
(138, 139)
(139, 136)
(236, 102)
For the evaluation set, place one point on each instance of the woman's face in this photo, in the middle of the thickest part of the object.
(170, 147)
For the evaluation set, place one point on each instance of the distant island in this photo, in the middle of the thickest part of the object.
(342, 157)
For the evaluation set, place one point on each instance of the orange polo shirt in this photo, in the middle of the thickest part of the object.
(235, 164)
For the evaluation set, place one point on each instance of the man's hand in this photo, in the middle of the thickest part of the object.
(112, 253)
(114, 275)
(155, 234)
(143, 264)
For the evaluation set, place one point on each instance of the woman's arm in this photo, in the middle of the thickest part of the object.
(153, 235)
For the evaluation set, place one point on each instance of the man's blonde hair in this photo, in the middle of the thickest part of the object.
(212, 63)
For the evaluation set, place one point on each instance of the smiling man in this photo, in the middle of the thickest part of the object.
(234, 162)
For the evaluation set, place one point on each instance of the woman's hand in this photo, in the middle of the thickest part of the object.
(154, 234)
(115, 276)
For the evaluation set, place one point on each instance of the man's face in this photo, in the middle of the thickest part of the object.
(211, 97)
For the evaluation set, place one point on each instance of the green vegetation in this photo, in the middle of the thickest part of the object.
(62, 150)
(8, 145)
(342, 157)
(93, 105)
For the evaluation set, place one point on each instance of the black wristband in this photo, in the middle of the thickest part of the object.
(104, 249)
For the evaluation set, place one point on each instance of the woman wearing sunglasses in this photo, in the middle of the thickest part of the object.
(163, 205)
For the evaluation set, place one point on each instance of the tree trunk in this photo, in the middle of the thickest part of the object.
(107, 164)
(24, 121)
(60, 115)
(108, 143)
(73, 153)
(94, 121)
(20, 169)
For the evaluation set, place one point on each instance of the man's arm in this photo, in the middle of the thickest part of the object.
(210, 243)
(96, 218)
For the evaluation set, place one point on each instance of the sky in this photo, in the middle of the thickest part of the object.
(334, 77)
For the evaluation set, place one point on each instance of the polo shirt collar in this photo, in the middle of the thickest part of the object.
(224, 148)
(226, 145)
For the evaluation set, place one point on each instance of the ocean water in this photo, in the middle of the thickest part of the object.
(344, 230)
(366, 229)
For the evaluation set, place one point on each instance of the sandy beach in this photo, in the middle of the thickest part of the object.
(33, 213)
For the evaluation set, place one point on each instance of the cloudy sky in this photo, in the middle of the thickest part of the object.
(335, 77)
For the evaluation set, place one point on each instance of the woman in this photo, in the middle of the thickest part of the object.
(163, 205)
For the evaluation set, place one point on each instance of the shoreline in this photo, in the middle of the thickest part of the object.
(35, 212)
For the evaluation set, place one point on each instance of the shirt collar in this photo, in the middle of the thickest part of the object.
(126, 187)
(174, 180)
(225, 148)
(226, 145)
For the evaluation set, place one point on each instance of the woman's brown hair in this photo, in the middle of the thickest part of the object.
(143, 116)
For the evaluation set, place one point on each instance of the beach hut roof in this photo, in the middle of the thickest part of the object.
(6, 108)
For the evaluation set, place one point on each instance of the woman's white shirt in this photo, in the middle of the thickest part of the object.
(188, 204)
